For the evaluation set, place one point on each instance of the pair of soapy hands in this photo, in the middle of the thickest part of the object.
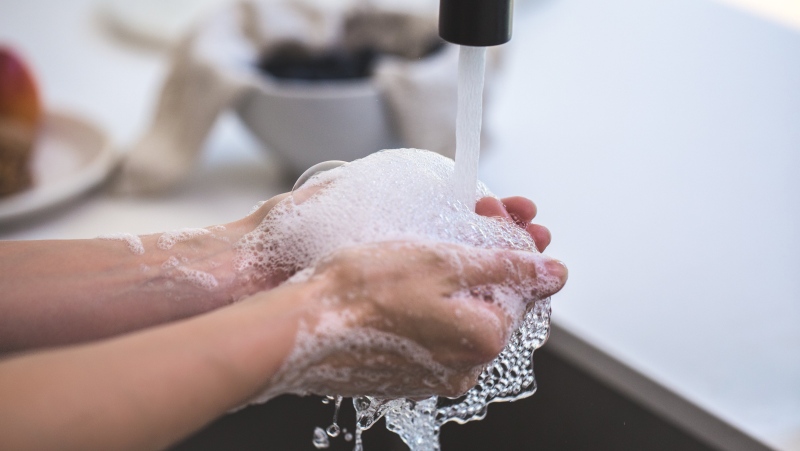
(125, 384)
(416, 291)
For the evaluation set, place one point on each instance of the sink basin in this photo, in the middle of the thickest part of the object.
(572, 410)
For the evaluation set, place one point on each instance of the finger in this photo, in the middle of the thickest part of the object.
(540, 234)
(304, 193)
(268, 205)
(491, 208)
(543, 275)
(521, 209)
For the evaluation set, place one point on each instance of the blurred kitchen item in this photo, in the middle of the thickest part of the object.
(309, 123)
(163, 22)
(20, 115)
(70, 157)
(406, 97)
(155, 22)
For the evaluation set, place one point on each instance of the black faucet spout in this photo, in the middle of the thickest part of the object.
(477, 23)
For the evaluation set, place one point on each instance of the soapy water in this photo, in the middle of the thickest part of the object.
(320, 440)
(392, 195)
(509, 377)
(396, 195)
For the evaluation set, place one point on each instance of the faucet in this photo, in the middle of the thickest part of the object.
(476, 23)
(473, 25)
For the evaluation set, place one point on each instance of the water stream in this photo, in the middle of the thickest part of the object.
(471, 69)
(510, 376)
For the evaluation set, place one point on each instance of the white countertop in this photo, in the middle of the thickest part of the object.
(660, 140)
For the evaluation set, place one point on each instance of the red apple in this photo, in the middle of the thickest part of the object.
(20, 113)
(19, 96)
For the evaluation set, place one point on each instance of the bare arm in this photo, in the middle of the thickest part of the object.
(149, 389)
(70, 291)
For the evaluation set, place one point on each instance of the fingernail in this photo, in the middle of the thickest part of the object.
(558, 269)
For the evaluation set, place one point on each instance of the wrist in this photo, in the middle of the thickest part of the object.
(263, 336)
(201, 263)
(198, 264)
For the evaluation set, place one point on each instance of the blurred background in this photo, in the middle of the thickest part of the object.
(660, 140)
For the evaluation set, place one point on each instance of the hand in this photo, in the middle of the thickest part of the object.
(401, 318)
(416, 296)
(517, 209)
(423, 308)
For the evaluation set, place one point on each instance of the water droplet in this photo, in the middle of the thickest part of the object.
(320, 439)
(333, 430)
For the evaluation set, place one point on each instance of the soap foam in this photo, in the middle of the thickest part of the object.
(169, 239)
(306, 371)
(401, 194)
(134, 242)
(171, 262)
(397, 196)
(198, 278)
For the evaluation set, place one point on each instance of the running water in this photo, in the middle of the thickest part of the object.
(296, 239)
(471, 68)
(510, 376)
(360, 203)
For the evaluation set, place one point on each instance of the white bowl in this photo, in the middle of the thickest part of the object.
(306, 122)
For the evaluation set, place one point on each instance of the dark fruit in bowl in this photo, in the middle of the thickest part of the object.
(20, 116)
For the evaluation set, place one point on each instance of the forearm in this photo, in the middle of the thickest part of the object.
(151, 388)
(58, 292)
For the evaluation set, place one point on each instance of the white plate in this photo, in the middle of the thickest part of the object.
(157, 22)
(71, 156)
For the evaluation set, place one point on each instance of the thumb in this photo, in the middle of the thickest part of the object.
(539, 274)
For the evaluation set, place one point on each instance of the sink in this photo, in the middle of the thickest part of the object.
(571, 410)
